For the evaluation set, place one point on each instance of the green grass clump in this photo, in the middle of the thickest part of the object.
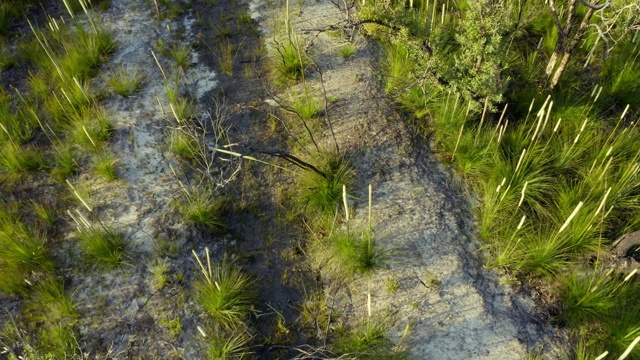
(90, 128)
(306, 106)
(201, 206)
(126, 80)
(225, 292)
(65, 164)
(366, 341)
(223, 345)
(182, 107)
(322, 193)
(16, 160)
(289, 62)
(103, 245)
(21, 254)
(104, 165)
(351, 252)
(602, 310)
(54, 313)
(14, 125)
(181, 54)
(347, 51)
(183, 145)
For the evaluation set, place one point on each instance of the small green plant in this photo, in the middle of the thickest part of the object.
(159, 270)
(104, 245)
(183, 145)
(223, 345)
(227, 57)
(392, 285)
(54, 313)
(201, 206)
(7, 15)
(366, 341)
(43, 212)
(306, 106)
(7, 60)
(315, 313)
(104, 165)
(347, 51)
(182, 108)
(65, 164)
(21, 254)
(181, 54)
(289, 62)
(16, 160)
(225, 292)
(174, 326)
(126, 80)
(321, 192)
(350, 250)
(90, 128)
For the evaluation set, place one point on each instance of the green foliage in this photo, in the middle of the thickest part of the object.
(183, 145)
(602, 308)
(366, 341)
(349, 252)
(7, 60)
(620, 73)
(10, 11)
(126, 80)
(16, 160)
(182, 107)
(322, 193)
(65, 164)
(90, 128)
(104, 165)
(347, 50)
(203, 207)
(54, 312)
(225, 344)
(225, 292)
(21, 253)
(306, 106)
(289, 62)
(227, 56)
(15, 125)
(181, 54)
(103, 245)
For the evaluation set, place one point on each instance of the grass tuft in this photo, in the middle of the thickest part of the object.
(347, 51)
(105, 246)
(201, 206)
(289, 62)
(226, 293)
(126, 80)
(323, 193)
(104, 165)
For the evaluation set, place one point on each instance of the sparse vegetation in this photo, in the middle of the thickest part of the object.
(542, 128)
